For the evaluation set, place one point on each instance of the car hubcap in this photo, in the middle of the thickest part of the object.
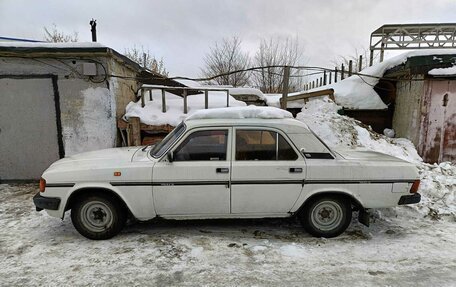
(326, 215)
(96, 216)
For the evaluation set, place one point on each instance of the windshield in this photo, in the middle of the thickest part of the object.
(159, 149)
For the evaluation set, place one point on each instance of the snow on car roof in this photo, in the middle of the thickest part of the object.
(241, 113)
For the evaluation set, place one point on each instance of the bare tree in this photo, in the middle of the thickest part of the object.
(354, 57)
(145, 59)
(226, 57)
(276, 52)
(53, 35)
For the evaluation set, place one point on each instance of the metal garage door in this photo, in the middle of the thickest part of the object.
(28, 128)
(438, 140)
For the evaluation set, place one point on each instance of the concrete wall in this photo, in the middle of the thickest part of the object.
(407, 113)
(123, 87)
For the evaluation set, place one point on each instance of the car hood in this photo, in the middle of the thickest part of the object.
(93, 160)
(119, 154)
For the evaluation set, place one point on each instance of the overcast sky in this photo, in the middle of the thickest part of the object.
(182, 31)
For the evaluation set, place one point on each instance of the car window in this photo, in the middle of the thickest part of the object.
(262, 145)
(203, 145)
(285, 151)
(160, 148)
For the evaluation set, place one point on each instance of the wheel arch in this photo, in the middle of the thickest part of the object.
(353, 200)
(84, 191)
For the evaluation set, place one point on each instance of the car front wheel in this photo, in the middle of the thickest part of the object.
(98, 216)
(326, 216)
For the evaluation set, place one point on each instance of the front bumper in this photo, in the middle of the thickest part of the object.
(41, 202)
(409, 199)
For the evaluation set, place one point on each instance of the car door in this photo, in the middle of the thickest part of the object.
(267, 172)
(196, 182)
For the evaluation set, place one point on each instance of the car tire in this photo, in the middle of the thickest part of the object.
(98, 216)
(326, 216)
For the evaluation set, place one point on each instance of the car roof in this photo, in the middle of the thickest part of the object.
(287, 125)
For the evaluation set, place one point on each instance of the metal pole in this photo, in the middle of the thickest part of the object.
(286, 78)
(163, 101)
(360, 64)
(93, 29)
(185, 101)
(227, 98)
(371, 58)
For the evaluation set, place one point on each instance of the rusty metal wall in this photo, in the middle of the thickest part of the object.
(438, 121)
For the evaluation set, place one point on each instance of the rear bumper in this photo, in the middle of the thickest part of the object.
(409, 199)
(41, 202)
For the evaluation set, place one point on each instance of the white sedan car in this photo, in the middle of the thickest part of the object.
(210, 168)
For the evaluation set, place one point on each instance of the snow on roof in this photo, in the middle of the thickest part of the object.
(357, 92)
(443, 71)
(189, 83)
(242, 113)
(52, 45)
(247, 91)
(151, 113)
(233, 90)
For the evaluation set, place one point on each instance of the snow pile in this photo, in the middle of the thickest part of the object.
(443, 71)
(241, 113)
(438, 190)
(438, 182)
(152, 113)
(95, 125)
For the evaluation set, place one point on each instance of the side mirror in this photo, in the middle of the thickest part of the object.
(170, 156)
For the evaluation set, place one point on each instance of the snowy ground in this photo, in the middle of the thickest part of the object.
(401, 248)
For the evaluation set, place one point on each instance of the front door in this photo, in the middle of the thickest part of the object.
(196, 182)
(267, 173)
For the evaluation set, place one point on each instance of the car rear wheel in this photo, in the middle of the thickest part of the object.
(326, 216)
(98, 216)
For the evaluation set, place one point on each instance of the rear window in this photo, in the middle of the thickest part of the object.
(262, 145)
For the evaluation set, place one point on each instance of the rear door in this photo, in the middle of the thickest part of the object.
(196, 182)
(267, 172)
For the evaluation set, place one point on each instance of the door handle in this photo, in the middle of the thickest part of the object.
(222, 170)
(295, 170)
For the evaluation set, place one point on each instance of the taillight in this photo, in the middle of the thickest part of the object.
(415, 186)
(42, 184)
